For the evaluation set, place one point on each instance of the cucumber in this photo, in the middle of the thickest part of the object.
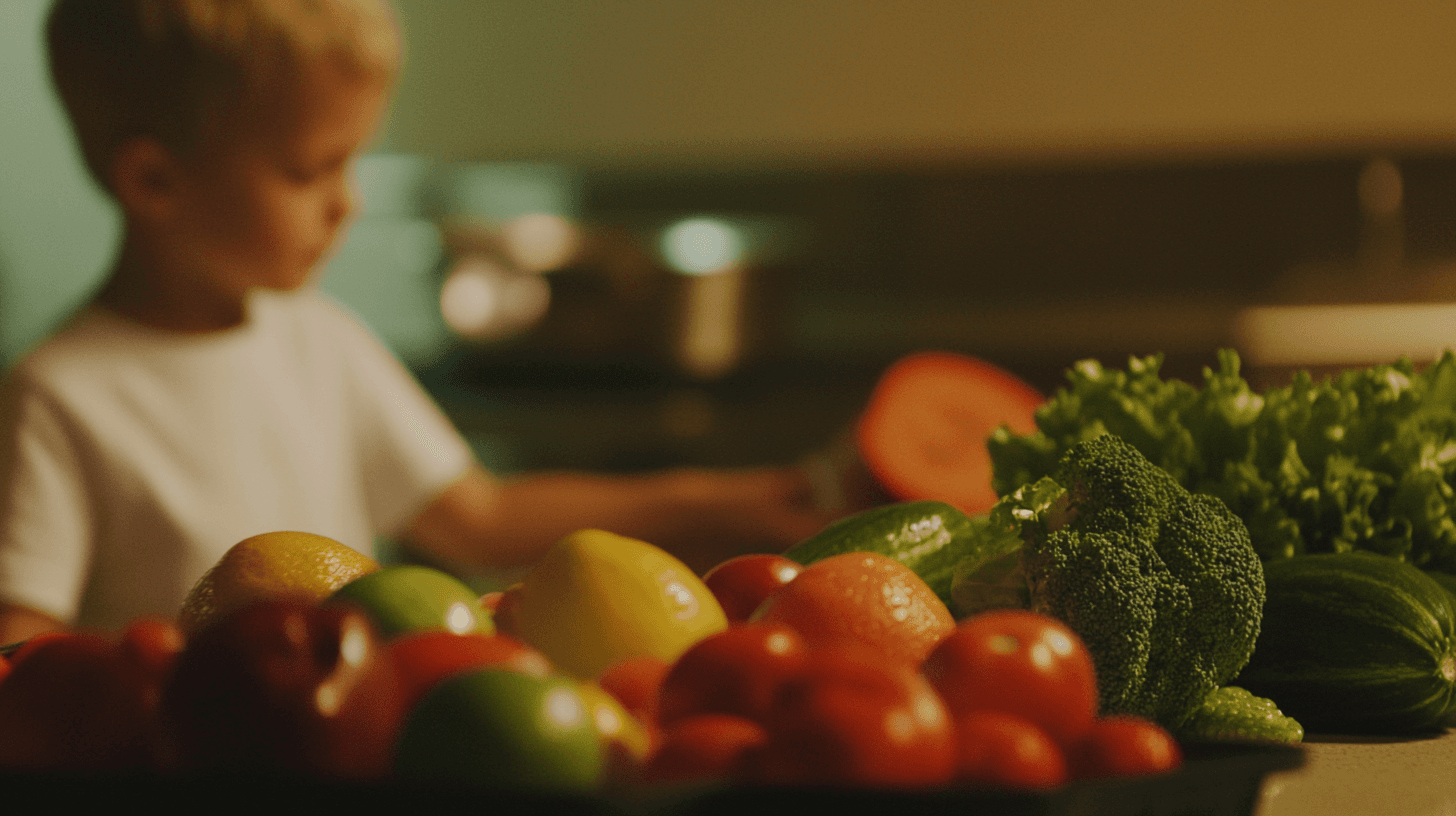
(929, 537)
(1355, 643)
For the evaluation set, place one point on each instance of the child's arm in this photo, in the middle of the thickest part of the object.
(701, 516)
(18, 623)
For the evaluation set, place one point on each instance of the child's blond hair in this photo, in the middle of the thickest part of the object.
(176, 70)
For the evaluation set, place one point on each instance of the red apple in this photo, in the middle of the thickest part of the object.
(285, 687)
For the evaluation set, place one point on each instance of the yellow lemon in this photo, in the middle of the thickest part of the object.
(271, 565)
(596, 598)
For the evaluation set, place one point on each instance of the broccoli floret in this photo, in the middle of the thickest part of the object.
(1162, 585)
(1233, 714)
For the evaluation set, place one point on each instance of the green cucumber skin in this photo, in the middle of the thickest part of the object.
(1356, 643)
(920, 534)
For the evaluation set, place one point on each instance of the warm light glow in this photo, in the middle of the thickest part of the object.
(710, 345)
(563, 708)
(460, 618)
(540, 242)
(681, 599)
(327, 700)
(354, 645)
(1059, 643)
(1041, 656)
(1344, 334)
(468, 300)
(1004, 644)
(780, 643)
(702, 246)
(900, 725)
(480, 299)
(929, 710)
(608, 723)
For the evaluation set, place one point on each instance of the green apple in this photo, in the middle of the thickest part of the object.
(504, 729)
(411, 598)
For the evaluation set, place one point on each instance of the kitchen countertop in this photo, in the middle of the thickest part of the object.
(1367, 777)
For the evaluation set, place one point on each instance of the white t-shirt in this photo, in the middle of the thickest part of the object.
(132, 458)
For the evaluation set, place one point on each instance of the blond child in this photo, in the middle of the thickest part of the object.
(209, 392)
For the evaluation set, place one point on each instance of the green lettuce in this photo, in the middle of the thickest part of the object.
(1362, 460)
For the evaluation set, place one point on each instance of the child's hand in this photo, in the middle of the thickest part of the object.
(717, 514)
(702, 516)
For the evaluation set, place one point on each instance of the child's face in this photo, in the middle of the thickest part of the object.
(262, 208)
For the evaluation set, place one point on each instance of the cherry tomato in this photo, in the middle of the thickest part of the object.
(1004, 750)
(703, 746)
(636, 683)
(742, 583)
(1125, 746)
(851, 717)
(737, 671)
(1020, 662)
(428, 657)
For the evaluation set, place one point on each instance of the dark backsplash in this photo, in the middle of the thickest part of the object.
(1032, 267)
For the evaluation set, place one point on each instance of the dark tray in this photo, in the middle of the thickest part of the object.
(1215, 780)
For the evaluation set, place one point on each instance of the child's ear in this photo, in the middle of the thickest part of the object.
(145, 177)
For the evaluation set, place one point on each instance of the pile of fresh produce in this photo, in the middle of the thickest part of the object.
(1344, 488)
(1165, 560)
(609, 667)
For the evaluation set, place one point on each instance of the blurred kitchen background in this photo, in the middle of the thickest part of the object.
(622, 234)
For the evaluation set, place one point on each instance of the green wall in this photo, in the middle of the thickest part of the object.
(57, 230)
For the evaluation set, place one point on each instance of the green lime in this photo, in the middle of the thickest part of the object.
(502, 729)
(411, 598)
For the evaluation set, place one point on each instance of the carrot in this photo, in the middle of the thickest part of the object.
(923, 432)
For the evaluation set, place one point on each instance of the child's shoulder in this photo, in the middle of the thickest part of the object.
(84, 341)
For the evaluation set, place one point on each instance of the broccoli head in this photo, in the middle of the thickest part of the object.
(1162, 585)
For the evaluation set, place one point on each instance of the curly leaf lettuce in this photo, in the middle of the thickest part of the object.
(1363, 460)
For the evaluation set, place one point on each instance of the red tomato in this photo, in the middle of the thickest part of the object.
(74, 703)
(1125, 746)
(850, 717)
(1019, 662)
(742, 583)
(1004, 750)
(703, 746)
(863, 598)
(636, 683)
(425, 658)
(32, 644)
(737, 671)
(151, 645)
